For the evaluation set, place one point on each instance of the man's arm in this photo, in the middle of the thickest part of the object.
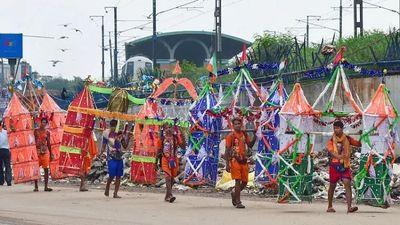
(181, 140)
(104, 145)
(228, 152)
(49, 145)
(354, 142)
(251, 143)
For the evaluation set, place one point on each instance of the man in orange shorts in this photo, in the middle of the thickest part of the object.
(43, 147)
(236, 159)
(171, 139)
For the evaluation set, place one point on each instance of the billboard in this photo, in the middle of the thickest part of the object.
(11, 46)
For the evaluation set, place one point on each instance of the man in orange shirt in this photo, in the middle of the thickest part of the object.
(339, 167)
(236, 159)
(43, 147)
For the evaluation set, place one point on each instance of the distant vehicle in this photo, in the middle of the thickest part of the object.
(133, 67)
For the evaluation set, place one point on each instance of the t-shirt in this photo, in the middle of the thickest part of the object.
(4, 140)
(113, 145)
(238, 141)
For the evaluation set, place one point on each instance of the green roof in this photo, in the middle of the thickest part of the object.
(188, 32)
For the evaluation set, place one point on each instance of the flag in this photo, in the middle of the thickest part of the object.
(243, 59)
(339, 56)
(283, 64)
(177, 69)
(212, 65)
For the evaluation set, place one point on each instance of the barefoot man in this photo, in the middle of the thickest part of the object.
(339, 168)
(167, 155)
(43, 147)
(113, 143)
(237, 143)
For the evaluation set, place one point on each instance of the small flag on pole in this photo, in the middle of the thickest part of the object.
(212, 67)
(339, 56)
(177, 69)
(212, 64)
(243, 59)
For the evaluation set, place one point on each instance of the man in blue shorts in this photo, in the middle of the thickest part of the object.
(113, 143)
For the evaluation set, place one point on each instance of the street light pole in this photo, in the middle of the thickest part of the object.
(154, 39)
(115, 43)
(102, 46)
(340, 20)
(111, 61)
(308, 28)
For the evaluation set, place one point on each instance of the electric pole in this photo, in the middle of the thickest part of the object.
(218, 34)
(308, 28)
(111, 58)
(102, 46)
(154, 39)
(340, 20)
(115, 43)
(358, 21)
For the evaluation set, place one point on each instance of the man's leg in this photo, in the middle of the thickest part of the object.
(349, 195)
(168, 184)
(7, 165)
(117, 184)
(36, 189)
(46, 180)
(82, 187)
(107, 191)
(331, 191)
(2, 156)
(238, 189)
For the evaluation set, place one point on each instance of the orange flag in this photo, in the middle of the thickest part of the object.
(177, 69)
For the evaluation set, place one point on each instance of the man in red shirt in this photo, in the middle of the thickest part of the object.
(236, 159)
(339, 167)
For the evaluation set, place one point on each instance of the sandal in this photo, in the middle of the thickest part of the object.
(116, 196)
(172, 199)
(352, 209)
(331, 210)
(240, 206)
(233, 199)
(48, 189)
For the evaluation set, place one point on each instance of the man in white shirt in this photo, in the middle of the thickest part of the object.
(5, 156)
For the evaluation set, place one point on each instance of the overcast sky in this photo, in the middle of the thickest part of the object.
(241, 18)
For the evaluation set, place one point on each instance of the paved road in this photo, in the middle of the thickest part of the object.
(65, 205)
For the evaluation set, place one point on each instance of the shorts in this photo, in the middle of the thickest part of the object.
(335, 176)
(168, 171)
(44, 160)
(239, 171)
(115, 168)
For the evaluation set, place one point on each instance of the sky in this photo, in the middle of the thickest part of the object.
(241, 18)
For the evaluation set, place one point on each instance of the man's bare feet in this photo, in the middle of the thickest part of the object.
(331, 210)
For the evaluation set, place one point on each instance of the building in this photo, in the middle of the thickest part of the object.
(193, 46)
(24, 69)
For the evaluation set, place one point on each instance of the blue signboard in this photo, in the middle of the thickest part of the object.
(11, 46)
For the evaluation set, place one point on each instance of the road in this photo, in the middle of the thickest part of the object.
(65, 205)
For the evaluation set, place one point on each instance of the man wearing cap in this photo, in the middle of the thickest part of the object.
(339, 166)
(237, 143)
(5, 156)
